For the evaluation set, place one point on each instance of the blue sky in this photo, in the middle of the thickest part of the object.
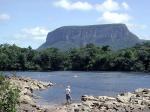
(27, 22)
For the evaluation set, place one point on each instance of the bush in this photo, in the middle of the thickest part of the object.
(9, 96)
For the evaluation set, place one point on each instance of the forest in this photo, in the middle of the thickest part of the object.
(88, 58)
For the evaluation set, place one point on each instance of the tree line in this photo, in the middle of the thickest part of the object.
(88, 58)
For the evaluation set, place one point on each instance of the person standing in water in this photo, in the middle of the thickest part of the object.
(68, 95)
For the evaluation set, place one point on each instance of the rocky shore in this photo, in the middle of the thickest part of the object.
(137, 101)
(27, 98)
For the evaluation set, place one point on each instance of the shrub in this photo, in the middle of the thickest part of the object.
(9, 95)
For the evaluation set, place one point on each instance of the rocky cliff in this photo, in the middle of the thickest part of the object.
(115, 35)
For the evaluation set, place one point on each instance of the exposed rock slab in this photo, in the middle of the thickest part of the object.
(138, 101)
(27, 98)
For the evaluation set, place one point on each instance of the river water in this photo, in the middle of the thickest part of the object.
(89, 83)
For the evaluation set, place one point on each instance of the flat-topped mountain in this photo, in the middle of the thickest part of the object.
(115, 35)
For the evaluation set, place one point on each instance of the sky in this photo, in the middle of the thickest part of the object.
(27, 22)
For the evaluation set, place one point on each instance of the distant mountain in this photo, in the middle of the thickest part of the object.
(115, 35)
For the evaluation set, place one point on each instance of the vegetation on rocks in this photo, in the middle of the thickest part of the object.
(27, 98)
(9, 96)
(88, 58)
(16, 94)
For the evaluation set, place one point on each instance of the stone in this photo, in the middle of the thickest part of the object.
(26, 87)
(138, 101)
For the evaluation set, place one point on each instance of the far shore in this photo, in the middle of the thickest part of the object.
(13, 71)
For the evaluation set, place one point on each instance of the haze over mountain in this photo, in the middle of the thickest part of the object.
(116, 36)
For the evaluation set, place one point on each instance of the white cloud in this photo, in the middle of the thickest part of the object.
(36, 33)
(113, 17)
(125, 5)
(34, 36)
(147, 37)
(111, 11)
(4, 17)
(140, 30)
(108, 5)
(68, 5)
(25, 37)
(137, 26)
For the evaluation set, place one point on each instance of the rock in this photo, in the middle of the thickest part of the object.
(26, 87)
(26, 99)
(138, 101)
(126, 97)
(116, 36)
(142, 90)
(85, 97)
(106, 98)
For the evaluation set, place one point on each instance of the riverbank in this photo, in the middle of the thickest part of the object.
(137, 101)
(27, 99)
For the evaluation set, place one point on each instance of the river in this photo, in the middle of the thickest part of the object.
(89, 83)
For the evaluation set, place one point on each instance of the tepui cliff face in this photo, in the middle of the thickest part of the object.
(116, 36)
